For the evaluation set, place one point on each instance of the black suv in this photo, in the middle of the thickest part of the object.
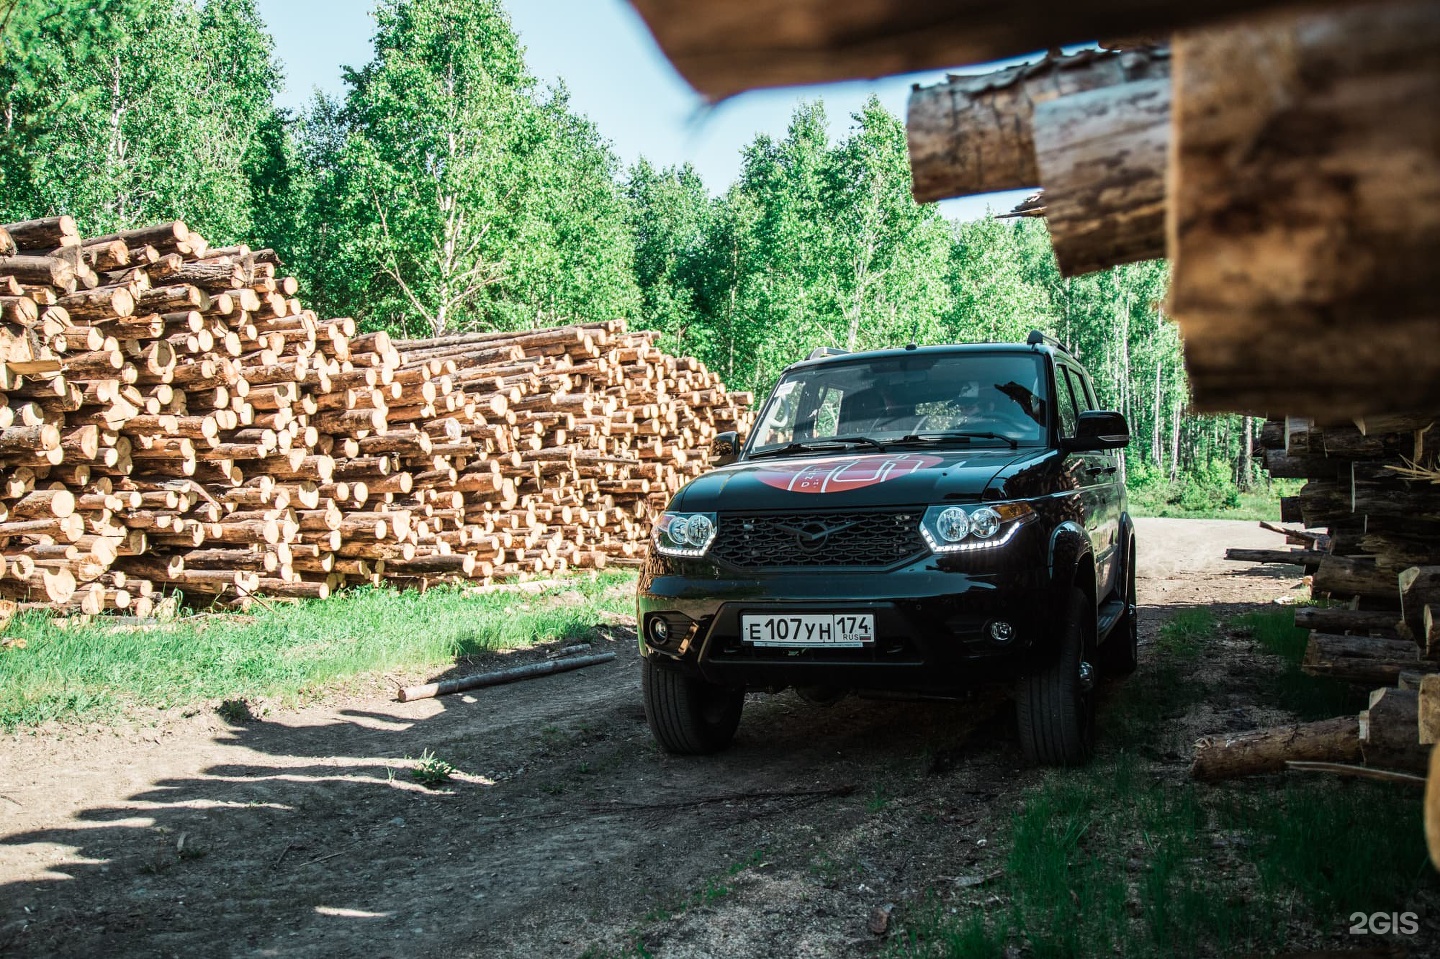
(907, 523)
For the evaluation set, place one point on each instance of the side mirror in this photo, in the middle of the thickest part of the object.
(1098, 430)
(725, 449)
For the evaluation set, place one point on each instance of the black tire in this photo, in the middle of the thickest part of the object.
(688, 716)
(1054, 708)
(1120, 653)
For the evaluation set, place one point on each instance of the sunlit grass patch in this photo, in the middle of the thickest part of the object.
(285, 650)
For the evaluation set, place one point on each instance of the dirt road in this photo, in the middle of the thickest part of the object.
(567, 832)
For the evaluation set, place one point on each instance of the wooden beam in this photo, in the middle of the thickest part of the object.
(1102, 156)
(1304, 210)
(974, 134)
(724, 47)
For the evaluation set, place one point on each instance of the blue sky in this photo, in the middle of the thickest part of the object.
(616, 76)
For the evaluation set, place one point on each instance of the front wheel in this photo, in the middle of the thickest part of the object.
(688, 716)
(1055, 705)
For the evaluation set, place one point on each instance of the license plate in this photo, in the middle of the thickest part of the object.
(808, 629)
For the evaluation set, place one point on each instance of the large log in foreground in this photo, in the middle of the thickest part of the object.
(1304, 211)
(724, 47)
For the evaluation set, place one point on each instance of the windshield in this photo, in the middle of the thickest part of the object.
(907, 398)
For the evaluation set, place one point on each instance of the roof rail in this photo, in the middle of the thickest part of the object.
(1038, 338)
(820, 352)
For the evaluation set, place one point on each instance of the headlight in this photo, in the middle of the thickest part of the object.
(952, 524)
(953, 529)
(684, 534)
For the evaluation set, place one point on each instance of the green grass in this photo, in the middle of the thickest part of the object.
(1122, 858)
(1308, 697)
(1372, 857)
(1253, 506)
(291, 650)
(1108, 861)
(1184, 633)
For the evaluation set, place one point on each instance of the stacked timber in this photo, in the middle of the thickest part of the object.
(1369, 537)
(172, 418)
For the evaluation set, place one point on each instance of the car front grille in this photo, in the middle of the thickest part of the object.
(786, 540)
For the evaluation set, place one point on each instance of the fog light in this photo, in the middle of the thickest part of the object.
(1001, 631)
(659, 631)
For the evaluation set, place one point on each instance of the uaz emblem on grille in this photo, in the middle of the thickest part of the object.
(812, 536)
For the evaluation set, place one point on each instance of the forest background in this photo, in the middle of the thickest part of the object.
(446, 190)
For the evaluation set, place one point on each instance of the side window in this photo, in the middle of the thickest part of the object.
(1065, 401)
(1084, 399)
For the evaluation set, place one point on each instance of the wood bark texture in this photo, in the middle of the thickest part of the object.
(1304, 210)
(1102, 157)
(976, 134)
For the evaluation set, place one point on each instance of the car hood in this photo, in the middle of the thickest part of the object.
(913, 477)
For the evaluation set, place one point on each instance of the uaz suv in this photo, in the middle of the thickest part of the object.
(911, 522)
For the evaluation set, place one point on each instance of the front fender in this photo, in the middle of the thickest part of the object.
(1069, 552)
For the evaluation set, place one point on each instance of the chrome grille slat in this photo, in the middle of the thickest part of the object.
(857, 539)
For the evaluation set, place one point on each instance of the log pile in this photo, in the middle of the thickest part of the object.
(1370, 544)
(171, 417)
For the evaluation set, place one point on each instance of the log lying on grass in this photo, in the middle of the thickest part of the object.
(1267, 750)
(513, 674)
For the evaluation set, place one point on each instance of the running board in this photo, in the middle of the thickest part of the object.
(1109, 614)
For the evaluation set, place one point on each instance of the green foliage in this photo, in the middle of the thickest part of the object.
(65, 673)
(454, 193)
(1184, 633)
(127, 112)
(431, 771)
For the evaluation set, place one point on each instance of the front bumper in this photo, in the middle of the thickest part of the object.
(931, 622)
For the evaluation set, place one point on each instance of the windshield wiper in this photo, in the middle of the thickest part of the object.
(820, 445)
(940, 436)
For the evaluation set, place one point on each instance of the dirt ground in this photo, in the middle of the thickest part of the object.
(567, 832)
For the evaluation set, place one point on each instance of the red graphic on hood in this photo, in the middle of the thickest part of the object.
(838, 475)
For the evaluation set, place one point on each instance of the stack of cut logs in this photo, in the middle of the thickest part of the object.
(171, 418)
(1369, 537)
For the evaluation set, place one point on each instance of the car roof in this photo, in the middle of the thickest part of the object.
(962, 348)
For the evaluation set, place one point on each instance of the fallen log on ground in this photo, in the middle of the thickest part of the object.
(1268, 750)
(529, 671)
(1289, 557)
